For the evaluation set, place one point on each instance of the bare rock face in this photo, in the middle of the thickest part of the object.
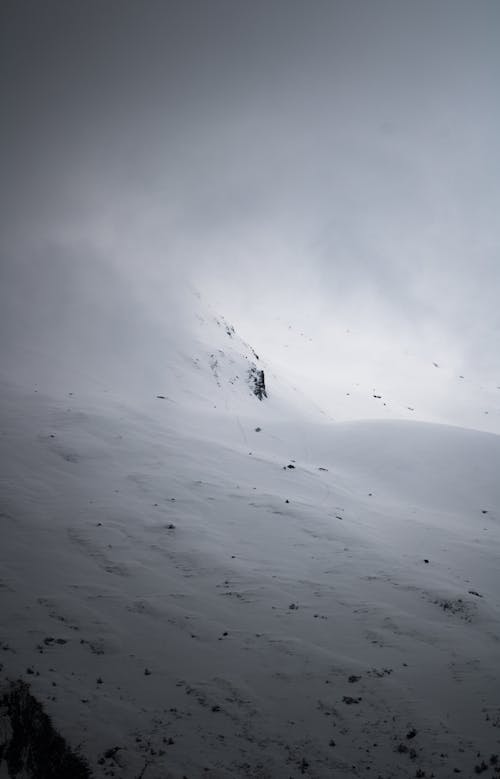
(257, 382)
(29, 745)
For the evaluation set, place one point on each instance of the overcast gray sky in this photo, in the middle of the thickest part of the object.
(335, 165)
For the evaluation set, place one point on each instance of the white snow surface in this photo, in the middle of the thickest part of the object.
(169, 586)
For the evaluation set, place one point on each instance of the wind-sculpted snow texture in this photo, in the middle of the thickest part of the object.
(199, 584)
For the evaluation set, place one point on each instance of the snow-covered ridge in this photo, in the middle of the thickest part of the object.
(216, 350)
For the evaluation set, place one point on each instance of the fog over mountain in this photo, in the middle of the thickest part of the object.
(249, 389)
(331, 167)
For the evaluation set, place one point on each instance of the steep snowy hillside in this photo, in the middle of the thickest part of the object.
(353, 374)
(200, 582)
(215, 368)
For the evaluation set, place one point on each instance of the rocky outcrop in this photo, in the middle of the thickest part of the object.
(29, 744)
(257, 382)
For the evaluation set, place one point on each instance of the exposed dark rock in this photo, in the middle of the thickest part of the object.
(257, 382)
(457, 606)
(110, 754)
(30, 745)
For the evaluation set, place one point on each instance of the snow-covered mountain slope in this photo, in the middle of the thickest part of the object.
(216, 368)
(207, 584)
(371, 373)
(182, 351)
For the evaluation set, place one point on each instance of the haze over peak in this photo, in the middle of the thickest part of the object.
(331, 168)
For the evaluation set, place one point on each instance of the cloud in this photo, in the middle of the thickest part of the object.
(328, 163)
